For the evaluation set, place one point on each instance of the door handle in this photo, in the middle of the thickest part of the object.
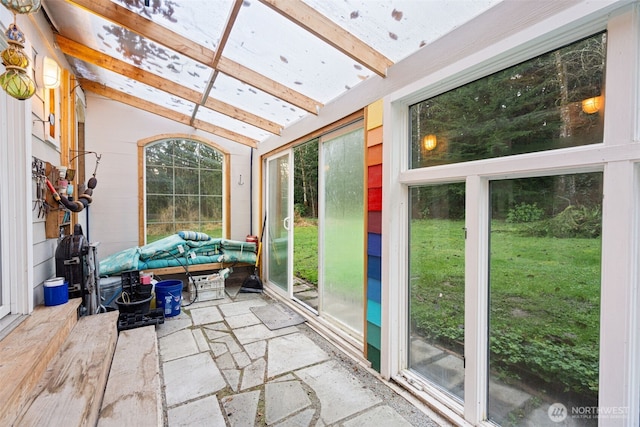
(285, 223)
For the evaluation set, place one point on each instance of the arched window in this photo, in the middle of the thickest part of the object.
(184, 188)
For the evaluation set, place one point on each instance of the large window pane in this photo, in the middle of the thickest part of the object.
(533, 106)
(544, 297)
(436, 285)
(343, 231)
(181, 176)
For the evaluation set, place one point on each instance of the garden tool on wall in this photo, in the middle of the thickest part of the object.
(253, 283)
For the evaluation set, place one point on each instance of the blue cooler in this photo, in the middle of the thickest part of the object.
(56, 291)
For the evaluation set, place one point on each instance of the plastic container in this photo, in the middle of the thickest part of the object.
(141, 306)
(208, 287)
(110, 289)
(169, 296)
(56, 291)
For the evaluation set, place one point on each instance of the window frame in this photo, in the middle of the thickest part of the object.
(618, 157)
(226, 185)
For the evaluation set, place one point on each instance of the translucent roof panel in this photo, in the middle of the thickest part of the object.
(227, 122)
(288, 54)
(200, 20)
(277, 70)
(255, 101)
(132, 87)
(120, 43)
(398, 28)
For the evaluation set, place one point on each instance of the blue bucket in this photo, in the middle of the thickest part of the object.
(169, 296)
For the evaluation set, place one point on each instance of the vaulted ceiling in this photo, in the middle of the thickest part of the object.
(243, 69)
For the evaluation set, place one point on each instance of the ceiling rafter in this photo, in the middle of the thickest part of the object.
(167, 113)
(322, 27)
(92, 56)
(216, 57)
(146, 28)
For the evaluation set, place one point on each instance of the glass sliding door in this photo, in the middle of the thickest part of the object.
(436, 285)
(305, 234)
(342, 228)
(544, 298)
(278, 238)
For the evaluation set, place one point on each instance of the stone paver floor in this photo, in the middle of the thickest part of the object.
(221, 366)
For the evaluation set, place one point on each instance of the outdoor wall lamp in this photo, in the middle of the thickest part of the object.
(592, 105)
(48, 72)
(429, 142)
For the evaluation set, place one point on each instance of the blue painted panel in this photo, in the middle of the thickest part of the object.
(374, 290)
(374, 244)
(374, 267)
(374, 314)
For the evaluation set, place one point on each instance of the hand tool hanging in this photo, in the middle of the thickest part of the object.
(39, 175)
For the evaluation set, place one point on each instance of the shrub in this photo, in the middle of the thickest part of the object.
(525, 212)
(576, 222)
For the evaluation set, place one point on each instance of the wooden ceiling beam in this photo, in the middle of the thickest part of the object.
(157, 33)
(322, 27)
(86, 54)
(138, 24)
(167, 113)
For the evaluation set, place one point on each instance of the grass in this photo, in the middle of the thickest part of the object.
(305, 250)
(544, 298)
(544, 301)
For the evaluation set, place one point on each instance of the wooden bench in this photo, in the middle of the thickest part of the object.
(70, 391)
(134, 395)
(26, 352)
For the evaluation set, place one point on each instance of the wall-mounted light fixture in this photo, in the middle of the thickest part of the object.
(47, 72)
(592, 105)
(22, 6)
(429, 142)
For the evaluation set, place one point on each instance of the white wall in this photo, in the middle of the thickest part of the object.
(113, 130)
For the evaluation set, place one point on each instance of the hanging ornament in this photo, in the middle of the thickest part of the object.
(22, 6)
(15, 80)
(17, 83)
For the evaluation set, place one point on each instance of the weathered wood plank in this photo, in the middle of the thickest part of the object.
(70, 391)
(195, 268)
(26, 352)
(133, 395)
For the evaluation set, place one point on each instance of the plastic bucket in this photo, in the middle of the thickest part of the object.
(169, 296)
(56, 291)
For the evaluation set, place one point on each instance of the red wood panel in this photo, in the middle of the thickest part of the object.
(374, 176)
(375, 199)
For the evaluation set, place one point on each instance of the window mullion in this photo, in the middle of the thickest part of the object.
(476, 298)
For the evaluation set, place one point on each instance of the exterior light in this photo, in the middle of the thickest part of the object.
(592, 105)
(49, 72)
(429, 142)
(22, 6)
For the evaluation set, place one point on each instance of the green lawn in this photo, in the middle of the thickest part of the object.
(544, 301)
(544, 298)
